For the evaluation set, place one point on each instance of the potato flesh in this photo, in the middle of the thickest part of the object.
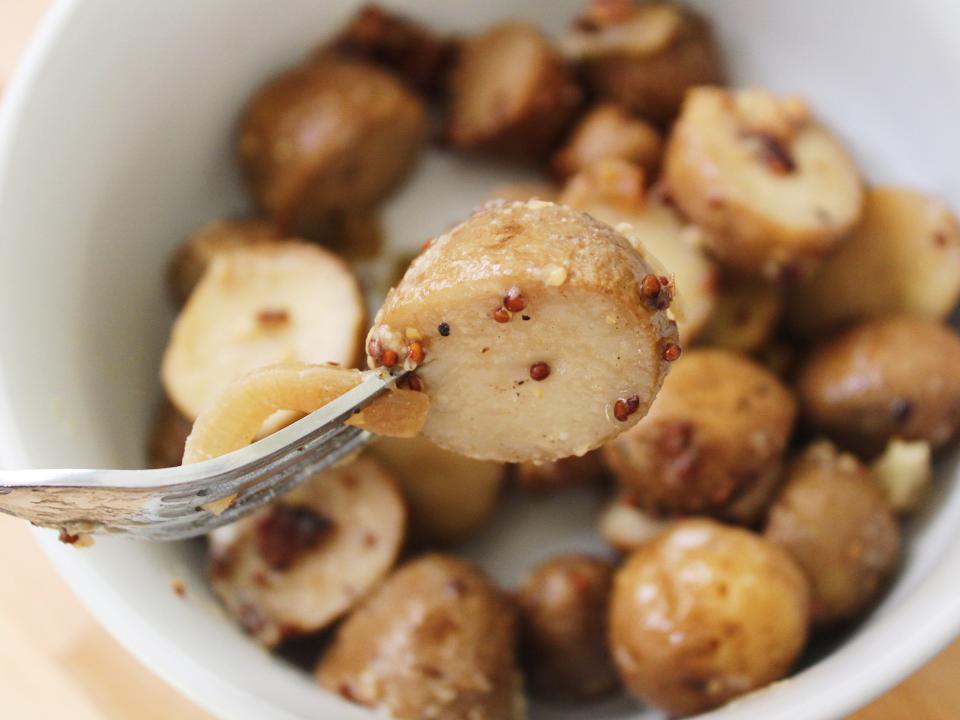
(277, 302)
(903, 256)
(367, 517)
(579, 280)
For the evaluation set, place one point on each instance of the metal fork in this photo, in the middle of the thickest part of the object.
(171, 503)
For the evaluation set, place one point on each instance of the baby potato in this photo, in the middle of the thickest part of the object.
(192, 257)
(745, 315)
(511, 93)
(563, 619)
(902, 257)
(558, 474)
(168, 436)
(625, 527)
(530, 333)
(644, 55)
(704, 613)
(608, 131)
(612, 191)
(774, 190)
(833, 520)
(325, 137)
(450, 497)
(711, 444)
(436, 640)
(294, 567)
(896, 376)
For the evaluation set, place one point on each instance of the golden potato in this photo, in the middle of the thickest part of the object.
(436, 640)
(712, 442)
(450, 497)
(773, 190)
(563, 619)
(528, 330)
(902, 257)
(891, 377)
(325, 137)
(833, 520)
(704, 613)
(608, 131)
(511, 92)
(294, 567)
(645, 55)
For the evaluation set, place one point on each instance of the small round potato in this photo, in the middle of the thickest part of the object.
(294, 567)
(773, 189)
(193, 257)
(704, 613)
(903, 256)
(644, 55)
(745, 315)
(713, 440)
(891, 377)
(325, 137)
(436, 640)
(512, 93)
(612, 190)
(450, 497)
(608, 131)
(563, 619)
(566, 472)
(832, 518)
(530, 332)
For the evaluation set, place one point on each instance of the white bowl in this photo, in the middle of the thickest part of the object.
(115, 141)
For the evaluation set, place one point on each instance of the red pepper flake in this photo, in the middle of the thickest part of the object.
(501, 315)
(346, 693)
(940, 238)
(273, 317)
(370, 539)
(650, 286)
(539, 371)
(426, 245)
(68, 538)
(774, 154)
(524, 317)
(444, 329)
(579, 582)
(375, 348)
(415, 383)
(415, 352)
(179, 589)
(625, 407)
(389, 358)
(514, 301)
(457, 587)
(671, 352)
(715, 200)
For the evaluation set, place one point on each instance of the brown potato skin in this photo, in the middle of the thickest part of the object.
(704, 613)
(608, 131)
(715, 435)
(653, 84)
(563, 614)
(539, 104)
(168, 436)
(893, 376)
(436, 640)
(832, 518)
(325, 137)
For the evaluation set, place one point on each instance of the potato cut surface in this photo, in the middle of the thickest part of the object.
(529, 330)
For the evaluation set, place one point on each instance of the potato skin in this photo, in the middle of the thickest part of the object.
(893, 376)
(832, 518)
(436, 640)
(715, 434)
(704, 613)
(650, 77)
(563, 613)
(327, 136)
(514, 110)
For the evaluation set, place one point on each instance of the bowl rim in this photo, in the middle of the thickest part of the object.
(918, 627)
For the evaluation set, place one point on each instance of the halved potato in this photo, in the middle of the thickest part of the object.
(436, 640)
(529, 330)
(903, 256)
(773, 189)
(645, 55)
(745, 315)
(294, 567)
(258, 305)
(450, 497)
(511, 93)
(612, 191)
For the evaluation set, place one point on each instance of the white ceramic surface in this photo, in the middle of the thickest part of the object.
(114, 142)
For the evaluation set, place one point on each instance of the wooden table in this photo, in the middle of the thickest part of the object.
(55, 659)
